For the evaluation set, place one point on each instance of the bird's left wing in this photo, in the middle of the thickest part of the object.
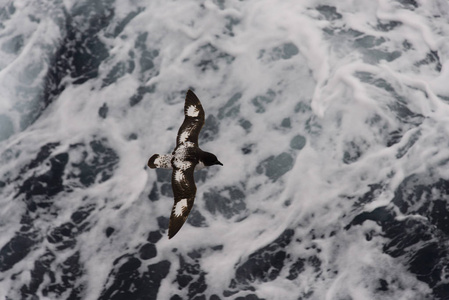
(184, 190)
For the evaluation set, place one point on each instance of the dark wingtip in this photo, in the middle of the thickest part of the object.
(192, 98)
(151, 161)
(173, 229)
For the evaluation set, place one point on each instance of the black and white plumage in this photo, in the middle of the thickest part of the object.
(185, 158)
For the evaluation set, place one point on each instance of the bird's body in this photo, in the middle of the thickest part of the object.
(164, 162)
(185, 158)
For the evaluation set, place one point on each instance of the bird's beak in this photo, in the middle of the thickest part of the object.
(219, 163)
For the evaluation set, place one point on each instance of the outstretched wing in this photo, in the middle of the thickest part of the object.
(193, 120)
(184, 190)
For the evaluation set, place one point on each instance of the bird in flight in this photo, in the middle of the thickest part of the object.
(185, 158)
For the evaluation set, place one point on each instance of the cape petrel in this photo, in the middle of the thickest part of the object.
(186, 158)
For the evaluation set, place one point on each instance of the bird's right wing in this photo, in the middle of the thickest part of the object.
(184, 190)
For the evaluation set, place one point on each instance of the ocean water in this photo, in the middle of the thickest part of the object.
(331, 120)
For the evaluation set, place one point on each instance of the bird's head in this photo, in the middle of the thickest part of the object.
(210, 159)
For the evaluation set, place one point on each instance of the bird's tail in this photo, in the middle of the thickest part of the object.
(160, 161)
(151, 161)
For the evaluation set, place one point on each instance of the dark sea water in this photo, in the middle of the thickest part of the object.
(331, 120)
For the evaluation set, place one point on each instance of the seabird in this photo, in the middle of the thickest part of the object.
(185, 158)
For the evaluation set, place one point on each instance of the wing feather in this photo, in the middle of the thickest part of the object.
(184, 190)
(193, 120)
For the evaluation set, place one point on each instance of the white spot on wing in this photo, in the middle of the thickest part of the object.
(179, 176)
(184, 136)
(180, 207)
(192, 111)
